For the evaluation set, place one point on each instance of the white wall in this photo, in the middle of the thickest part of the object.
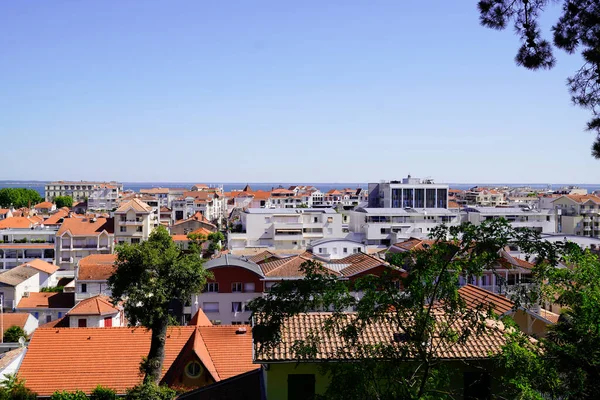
(225, 315)
(95, 321)
(335, 249)
(29, 285)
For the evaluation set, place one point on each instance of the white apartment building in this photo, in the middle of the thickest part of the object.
(286, 228)
(384, 226)
(80, 237)
(134, 221)
(578, 215)
(20, 245)
(78, 190)
(542, 221)
(209, 203)
(335, 249)
(104, 198)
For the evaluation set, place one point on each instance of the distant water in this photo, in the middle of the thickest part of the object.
(324, 187)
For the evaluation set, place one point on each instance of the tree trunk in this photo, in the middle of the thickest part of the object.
(156, 356)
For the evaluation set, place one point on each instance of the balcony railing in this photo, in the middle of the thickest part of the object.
(132, 222)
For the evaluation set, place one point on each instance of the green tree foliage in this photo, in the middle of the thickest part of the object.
(150, 391)
(566, 363)
(102, 393)
(577, 29)
(12, 334)
(14, 388)
(216, 242)
(432, 281)
(19, 197)
(63, 201)
(149, 275)
(64, 395)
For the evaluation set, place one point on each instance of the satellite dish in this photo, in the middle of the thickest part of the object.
(22, 341)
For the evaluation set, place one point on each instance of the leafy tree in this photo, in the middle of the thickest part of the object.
(566, 363)
(216, 240)
(149, 275)
(63, 201)
(12, 334)
(577, 29)
(64, 395)
(428, 289)
(102, 393)
(150, 391)
(19, 197)
(13, 388)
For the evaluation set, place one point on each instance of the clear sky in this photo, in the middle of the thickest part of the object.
(292, 91)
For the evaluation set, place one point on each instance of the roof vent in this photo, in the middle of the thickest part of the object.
(240, 331)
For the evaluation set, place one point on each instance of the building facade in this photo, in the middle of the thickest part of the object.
(78, 190)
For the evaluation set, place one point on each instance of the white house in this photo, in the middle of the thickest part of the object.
(134, 221)
(79, 237)
(542, 221)
(91, 276)
(16, 283)
(286, 228)
(96, 312)
(46, 272)
(335, 249)
(46, 306)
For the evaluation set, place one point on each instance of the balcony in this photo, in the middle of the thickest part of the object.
(66, 259)
(132, 222)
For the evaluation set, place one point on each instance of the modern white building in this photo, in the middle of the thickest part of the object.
(408, 193)
(542, 221)
(384, 226)
(335, 249)
(78, 190)
(577, 215)
(286, 228)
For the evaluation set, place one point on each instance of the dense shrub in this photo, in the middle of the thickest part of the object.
(64, 395)
(12, 334)
(150, 391)
(102, 393)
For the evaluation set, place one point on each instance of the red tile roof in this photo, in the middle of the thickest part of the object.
(134, 204)
(18, 222)
(47, 300)
(14, 319)
(86, 226)
(96, 267)
(42, 265)
(230, 352)
(474, 296)
(332, 346)
(97, 305)
(83, 358)
(55, 219)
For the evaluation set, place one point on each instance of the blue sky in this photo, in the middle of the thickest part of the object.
(306, 91)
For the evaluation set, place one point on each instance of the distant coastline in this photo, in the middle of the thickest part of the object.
(324, 187)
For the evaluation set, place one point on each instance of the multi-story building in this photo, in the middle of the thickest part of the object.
(134, 221)
(485, 197)
(286, 228)
(578, 215)
(408, 193)
(238, 280)
(104, 197)
(542, 221)
(21, 243)
(91, 275)
(80, 237)
(209, 203)
(78, 190)
(384, 226)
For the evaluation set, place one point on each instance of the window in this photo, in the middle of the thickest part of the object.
(48, 318)
(108, 322)
(123, 229)
(345, 250)
(249, 287)
(236, 287)
(315, 219)
(321, 250)
(82, 323)
(135, 241)
(356, 250)
(84, 288)
(236, 322)
(210, 307)
(301, 386)
(36, 315)
(212, 287)
(193, 369)
(236, 306)
(139, 229)
(60, 314)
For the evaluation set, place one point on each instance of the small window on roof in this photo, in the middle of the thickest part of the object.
(193, 369)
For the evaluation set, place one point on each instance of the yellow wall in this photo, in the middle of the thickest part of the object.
(277, 383)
